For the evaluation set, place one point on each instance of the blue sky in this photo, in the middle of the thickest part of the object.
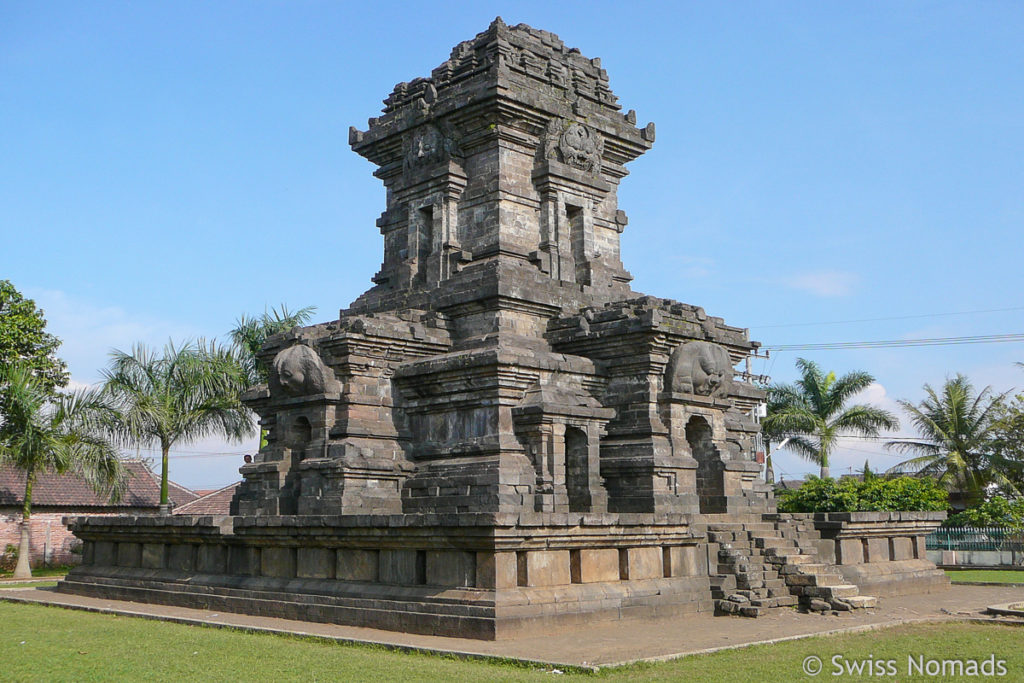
(165, 167)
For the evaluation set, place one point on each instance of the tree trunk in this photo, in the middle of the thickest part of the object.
(24, 569)
(825, 474)
(165, 505)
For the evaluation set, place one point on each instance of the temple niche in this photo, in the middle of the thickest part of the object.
(499, 435)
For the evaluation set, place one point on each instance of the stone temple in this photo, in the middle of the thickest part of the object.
(500, 434)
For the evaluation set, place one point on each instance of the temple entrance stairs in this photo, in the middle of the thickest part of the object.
(765, 562)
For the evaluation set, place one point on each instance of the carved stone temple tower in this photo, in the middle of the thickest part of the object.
(499, 436)
(501, 363)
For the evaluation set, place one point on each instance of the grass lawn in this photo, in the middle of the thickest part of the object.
(47, 643)
(988, 575)
(28, 584)
(38, 572)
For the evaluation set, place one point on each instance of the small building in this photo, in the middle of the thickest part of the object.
(56, 495)
(213, 503)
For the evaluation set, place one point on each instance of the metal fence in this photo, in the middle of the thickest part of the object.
(975, 538)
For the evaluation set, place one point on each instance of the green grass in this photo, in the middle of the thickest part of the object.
(47, 643)
(986, 575)
(38, 572)
(28, 584)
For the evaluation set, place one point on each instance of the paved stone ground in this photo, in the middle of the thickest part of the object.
(598, 645)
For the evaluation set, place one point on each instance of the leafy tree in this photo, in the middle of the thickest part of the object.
(61, 433)
(188, 393)
(1008, 440)
(23, 338)
(957, 428)
(996, 511)
(813, 413)
(250, 333)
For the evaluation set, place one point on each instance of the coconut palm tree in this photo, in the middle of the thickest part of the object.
(250, 333)
(187, 393)
(813, 414)
(957, 427)
(41, 431)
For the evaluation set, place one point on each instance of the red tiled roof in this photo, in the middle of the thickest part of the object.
(69, 490)
(216, 503)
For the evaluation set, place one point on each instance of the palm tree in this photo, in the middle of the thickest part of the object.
(250, 333)
(188, 393)
(812, 412)
(957, 428)
(42, 431)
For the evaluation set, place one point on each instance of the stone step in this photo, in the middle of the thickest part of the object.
(779, 601)
(844, 591)
(824, 579)
(726, 582)
(861, 601)
(805, 568)
(774, 542)
(784, 552)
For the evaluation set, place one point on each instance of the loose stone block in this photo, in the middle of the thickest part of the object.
(315, 563)
(357, 565)
(278, 563)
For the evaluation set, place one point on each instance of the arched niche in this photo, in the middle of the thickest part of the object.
(710, 469)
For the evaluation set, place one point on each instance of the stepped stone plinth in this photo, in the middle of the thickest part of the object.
(500, 434)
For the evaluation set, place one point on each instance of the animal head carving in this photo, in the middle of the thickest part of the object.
(701, 368)
(299, 371)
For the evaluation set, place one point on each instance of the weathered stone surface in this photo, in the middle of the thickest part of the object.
(450, 568)
(278, 562)
(402, 567)
(544, 568)
(315, 563)
(592, 566)
(129, 554)
(358, 565)
(153, 555)
(211, 559)
(181, 557)
(644, 563)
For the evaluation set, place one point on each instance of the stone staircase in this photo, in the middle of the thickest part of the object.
(765, 562)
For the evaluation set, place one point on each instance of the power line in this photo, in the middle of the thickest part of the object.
(894, 317)
(901, 343)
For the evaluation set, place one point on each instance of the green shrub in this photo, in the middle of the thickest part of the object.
(873, 494)
(996, 511)
(9, 558)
